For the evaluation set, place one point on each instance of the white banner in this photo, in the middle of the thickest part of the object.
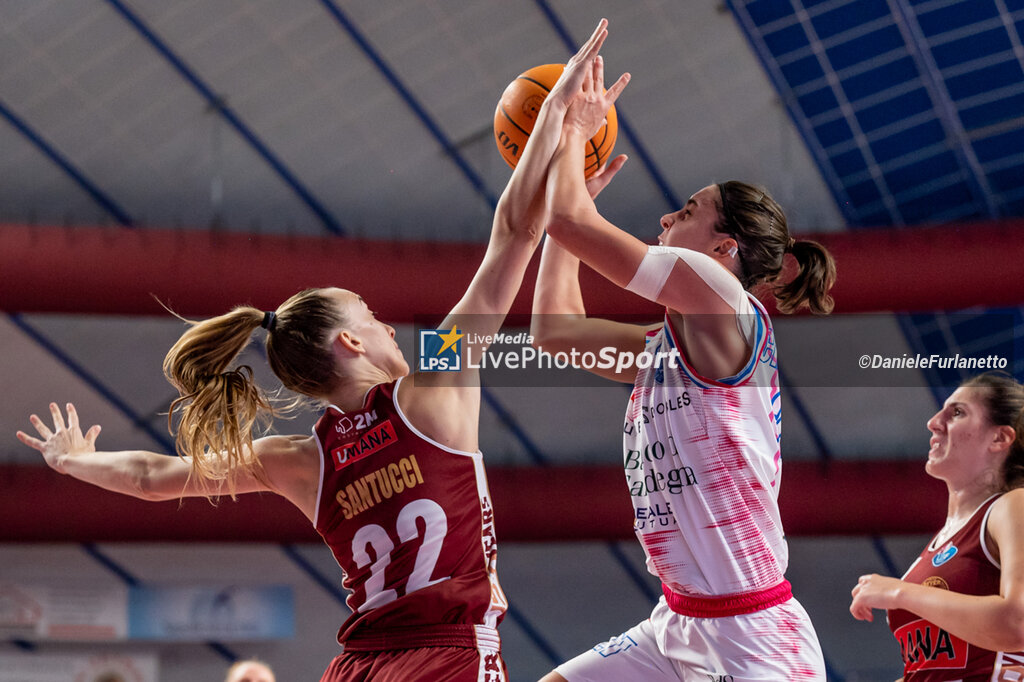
(151, 612)
(29, 667)
(63, 613)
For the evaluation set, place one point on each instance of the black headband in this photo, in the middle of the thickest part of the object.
(268, 320)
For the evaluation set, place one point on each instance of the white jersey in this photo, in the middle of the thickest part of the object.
(703, 465)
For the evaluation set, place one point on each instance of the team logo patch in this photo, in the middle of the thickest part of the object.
(944, 556)
(936, 581)
(440, 351)
(615, 645)
(374, 440)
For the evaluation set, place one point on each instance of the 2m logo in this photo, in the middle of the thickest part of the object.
(358, 421)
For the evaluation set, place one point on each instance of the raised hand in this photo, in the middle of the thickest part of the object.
(62, 441)
(565, 89)
(581, 67)
(588, 108)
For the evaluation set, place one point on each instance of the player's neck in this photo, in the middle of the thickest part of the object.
(964, 502)
(350, 395)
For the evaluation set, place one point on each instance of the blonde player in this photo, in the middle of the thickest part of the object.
(701, 447)
(391, 478)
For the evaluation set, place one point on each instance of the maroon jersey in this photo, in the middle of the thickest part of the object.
(962, 564)
(409, 521)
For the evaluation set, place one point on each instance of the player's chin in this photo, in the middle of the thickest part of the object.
(933, 466)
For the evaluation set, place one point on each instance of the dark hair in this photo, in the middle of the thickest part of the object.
(758, 224)
(1003, 397)
(220, 405)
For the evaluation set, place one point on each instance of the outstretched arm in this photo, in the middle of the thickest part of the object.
(290, 465)
(446, 405)
(132, 472)
(521, 214)
(559, 322)
(577, 225)
(994, 622)
(575, 222)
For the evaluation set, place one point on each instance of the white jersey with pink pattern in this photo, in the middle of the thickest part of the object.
(703, 465)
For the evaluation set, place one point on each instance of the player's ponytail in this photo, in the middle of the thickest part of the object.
(219, 405)
(810, 286)
(758, 224)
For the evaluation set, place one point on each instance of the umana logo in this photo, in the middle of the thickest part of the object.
(373, 440)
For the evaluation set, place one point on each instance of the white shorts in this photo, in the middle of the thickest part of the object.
(777, 644)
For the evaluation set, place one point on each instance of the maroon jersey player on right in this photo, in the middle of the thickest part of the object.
(958, 613)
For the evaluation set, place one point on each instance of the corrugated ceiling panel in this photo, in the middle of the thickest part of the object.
(913, 110)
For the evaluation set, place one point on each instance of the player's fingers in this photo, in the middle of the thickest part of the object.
(616, 164)
(29, 440)
(617, 88)
(592, 52)
(587, 53)
(593, 45)
(72, 417)
(58, 417)
(599, 180)
(93, 434)
(597, 72)
(587, 80)
(596, 39)
(42, 428)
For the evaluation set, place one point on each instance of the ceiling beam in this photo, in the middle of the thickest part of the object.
(119, 271)
(536, 504)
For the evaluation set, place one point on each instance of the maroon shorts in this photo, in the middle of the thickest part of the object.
(454, 653)
(429, 664)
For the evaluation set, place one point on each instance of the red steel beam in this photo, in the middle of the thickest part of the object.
(198, 273)
(535, 504)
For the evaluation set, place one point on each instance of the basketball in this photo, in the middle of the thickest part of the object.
(517, 112)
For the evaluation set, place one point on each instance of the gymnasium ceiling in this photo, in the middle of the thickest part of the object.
(372, 119)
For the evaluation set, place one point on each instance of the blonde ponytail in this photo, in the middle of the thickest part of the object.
(219, 405)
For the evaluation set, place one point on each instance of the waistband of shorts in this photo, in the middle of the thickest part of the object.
(463, 636)
(729, 604)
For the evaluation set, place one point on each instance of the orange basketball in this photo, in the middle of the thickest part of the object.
(517, 113)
